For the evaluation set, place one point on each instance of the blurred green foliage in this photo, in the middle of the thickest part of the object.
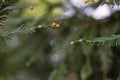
(45, 54)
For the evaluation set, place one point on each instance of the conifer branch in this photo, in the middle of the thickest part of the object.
(18, 31)
(113, 40)
(23, 29)
(5, 9)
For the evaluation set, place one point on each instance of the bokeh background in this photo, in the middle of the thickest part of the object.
(48, 54)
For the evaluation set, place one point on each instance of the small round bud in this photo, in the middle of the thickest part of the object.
(39, 26)
(27, 64)
(85, 1)
(96, 1)
(80, 40)
(31, 8)
(72, 43)
(2, 51)
(53, 24)
(57, 25)
(107, 1)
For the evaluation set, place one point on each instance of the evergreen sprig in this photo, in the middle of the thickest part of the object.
(113, 40)
(5, 9)
(17, 31)
(24, 30)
